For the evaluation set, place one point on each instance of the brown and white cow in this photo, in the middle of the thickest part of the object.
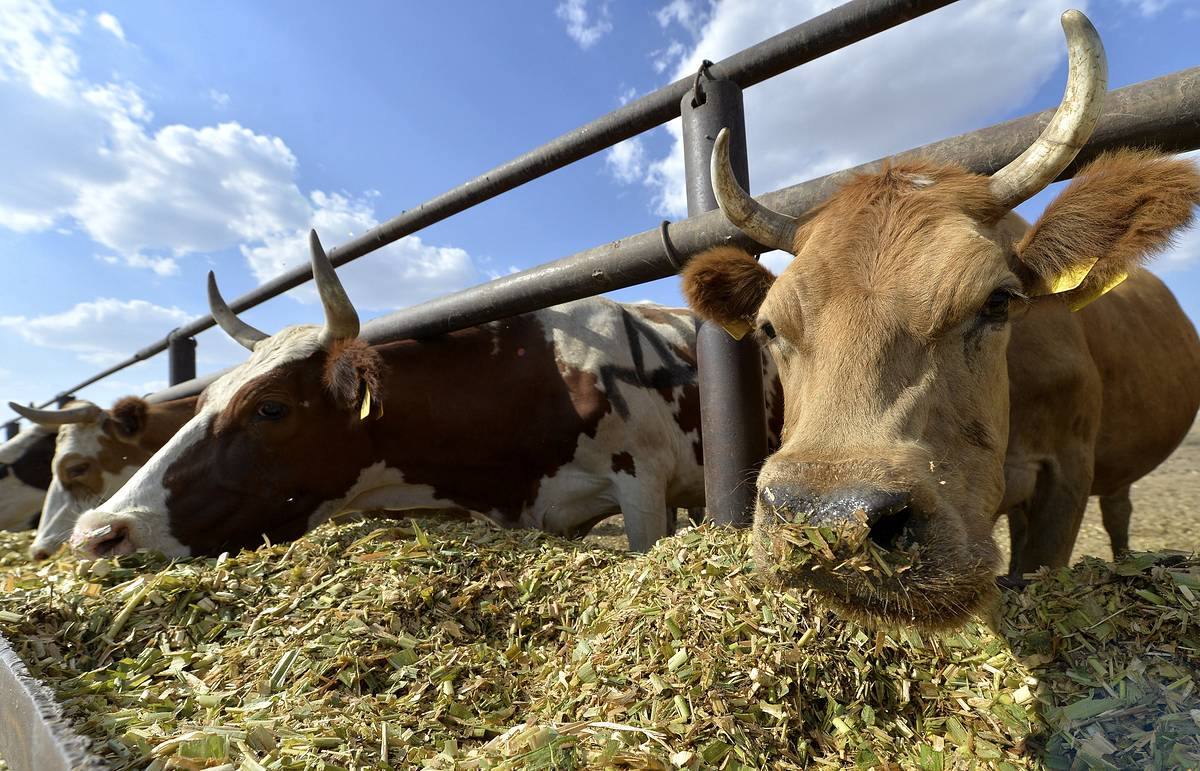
(552, 420)
(96, 452)
(935, 372)
(24, 476)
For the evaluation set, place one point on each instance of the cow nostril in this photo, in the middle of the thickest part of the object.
(114, 542)
(40, 555)
(888, 526)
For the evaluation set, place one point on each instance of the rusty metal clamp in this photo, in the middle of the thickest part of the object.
(669, 247)
(698, 95)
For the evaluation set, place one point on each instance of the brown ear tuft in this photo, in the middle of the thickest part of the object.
(128, 416)
(726, 284)
(350, 364)
(1123, 208)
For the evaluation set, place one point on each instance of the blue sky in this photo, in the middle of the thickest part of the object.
(144, 144)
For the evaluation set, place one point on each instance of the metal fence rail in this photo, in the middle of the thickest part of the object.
(835, 29)
(1163, 113)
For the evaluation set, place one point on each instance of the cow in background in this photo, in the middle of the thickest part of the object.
(24, 476)
(96, 452)
(553, 420)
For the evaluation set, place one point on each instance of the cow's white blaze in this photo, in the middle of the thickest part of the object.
(141, 504)
(19, 500)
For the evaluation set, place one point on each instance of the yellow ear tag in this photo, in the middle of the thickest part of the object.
(364, 410)
(1079, 303)
(737, 328)
(1072, 278)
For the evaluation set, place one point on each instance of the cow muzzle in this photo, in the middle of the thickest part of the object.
(108, 540)
(881, 516)
(874, 553)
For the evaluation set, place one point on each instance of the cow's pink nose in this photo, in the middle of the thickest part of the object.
(109, 540)
(39, 554)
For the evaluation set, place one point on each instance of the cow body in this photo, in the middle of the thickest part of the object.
(551, 420)
(1098, 399)
(24, 476)
(94, 457)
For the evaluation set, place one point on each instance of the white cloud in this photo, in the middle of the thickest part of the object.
(685, 13)
(102, 331)
(84, 151)
(668, 57)
(401, 274)
(85, 154)
(584, 28)
(109, 22)
(162, 266)
(950, 71)
(1147, 7)
(627, 160)
(220, 99)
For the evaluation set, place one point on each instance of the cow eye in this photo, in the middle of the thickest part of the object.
(768, 329)
(271, 410)
(78, 470)
(995, 310)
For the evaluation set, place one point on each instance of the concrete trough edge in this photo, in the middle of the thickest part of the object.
(34, 734)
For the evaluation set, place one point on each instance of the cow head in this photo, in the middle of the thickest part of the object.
(24, 476)
(890, 329)
(96, 453)
(271, 440)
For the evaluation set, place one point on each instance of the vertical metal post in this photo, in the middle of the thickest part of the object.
(11, 429)
(181, 355)
(732, 416)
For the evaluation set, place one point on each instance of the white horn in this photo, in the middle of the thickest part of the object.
(239, 330)
(1072, 124)
(84, 413)
(341, 320)
(767, 227)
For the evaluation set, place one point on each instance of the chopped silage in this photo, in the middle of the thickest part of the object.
(457, 646)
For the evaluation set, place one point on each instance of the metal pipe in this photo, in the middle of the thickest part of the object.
(812, 39)
(11, 429)
(181, 358)
(1163, 113)
(732, 415)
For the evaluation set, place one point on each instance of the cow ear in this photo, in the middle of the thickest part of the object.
(127, 418)
(1121, 210)
(354, 378)
(727, 285)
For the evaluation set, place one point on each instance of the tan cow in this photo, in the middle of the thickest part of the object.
(935, 375)
(96, 452)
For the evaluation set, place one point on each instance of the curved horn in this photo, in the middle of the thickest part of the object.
(84, 413)
(239, 330)
(341, 320)
(768, 227)
(1072, 124)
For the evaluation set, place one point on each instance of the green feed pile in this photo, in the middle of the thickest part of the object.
(385, 644)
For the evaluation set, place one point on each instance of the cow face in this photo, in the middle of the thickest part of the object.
(890, 330)
(24, 476)
(270, 441)
(97, 451)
